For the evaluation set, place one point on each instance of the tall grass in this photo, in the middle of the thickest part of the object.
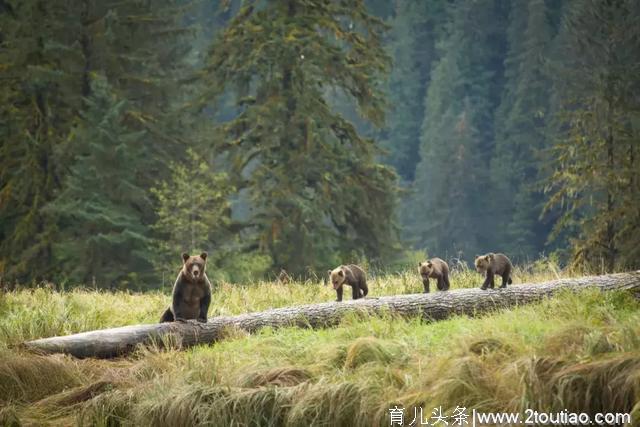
(579, 352)
(41, 312)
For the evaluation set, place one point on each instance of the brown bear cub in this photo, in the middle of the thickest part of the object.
(351, 275)
(434, 268)
(191, 292)
(492, 264)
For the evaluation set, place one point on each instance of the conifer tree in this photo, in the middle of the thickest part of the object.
(316, 192)
(415, 29)
(101, 238)
(39, 101)
(51, 50)
(449, 213)
(193, 212)
(594, 182)
(520, 123)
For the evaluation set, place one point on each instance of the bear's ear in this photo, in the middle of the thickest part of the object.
(329, 272)
(488, 257)
(429, 264)
(420, 264)
(203, 255)
(341, 273)
(185, 256)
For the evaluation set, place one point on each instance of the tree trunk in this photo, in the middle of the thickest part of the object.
(435, 306)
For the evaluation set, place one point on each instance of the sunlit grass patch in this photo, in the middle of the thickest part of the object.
(41, 312)
(350, 374)
(30, 314)
(367, 350)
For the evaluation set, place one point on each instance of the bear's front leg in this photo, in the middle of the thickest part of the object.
(204, 308)
(488, 281)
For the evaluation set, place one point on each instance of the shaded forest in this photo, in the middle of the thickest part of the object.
(304, 134)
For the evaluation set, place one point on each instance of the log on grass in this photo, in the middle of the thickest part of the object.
(115, 342)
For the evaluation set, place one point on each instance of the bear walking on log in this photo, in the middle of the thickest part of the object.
(191, 292)
(351, 275)
(492, 264)
(434, 268)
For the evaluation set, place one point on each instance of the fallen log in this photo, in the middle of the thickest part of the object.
(115, 342)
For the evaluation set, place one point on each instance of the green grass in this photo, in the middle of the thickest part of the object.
(579, 352)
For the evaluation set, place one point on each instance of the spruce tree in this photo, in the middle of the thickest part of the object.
(520, 123)
(449, 213)
(193, 211)
(51, 50)
(39, 101)
(415, 29)
(101, 238)
(316, 191)
(594, 182)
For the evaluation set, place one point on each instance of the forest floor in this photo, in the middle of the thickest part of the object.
(574, 352)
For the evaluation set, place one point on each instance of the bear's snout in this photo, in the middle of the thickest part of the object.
(195, 271)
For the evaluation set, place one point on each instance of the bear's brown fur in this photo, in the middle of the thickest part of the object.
(191, 292)
(492, 264)
(435, 268)
(351, 275)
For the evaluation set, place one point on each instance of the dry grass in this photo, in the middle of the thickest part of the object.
(576, 352)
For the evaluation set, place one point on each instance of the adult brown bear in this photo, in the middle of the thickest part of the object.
(191, 292)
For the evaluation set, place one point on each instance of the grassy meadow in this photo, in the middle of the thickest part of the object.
(579, 352)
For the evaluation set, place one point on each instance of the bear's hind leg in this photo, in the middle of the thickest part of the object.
(364, 289)
(446, 282)
(505, 279)
(356, 292)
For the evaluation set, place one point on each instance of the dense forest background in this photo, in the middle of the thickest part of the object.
(303, 134)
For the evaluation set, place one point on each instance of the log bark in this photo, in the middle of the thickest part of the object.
(115, 342)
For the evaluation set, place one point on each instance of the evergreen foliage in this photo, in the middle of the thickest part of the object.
(595, 178)
(193, 211)
(101, 238)
(131, 131)
(313, 183)
(38, 105)
(49, 52)
(520, 123)
(415, 29)
(449, 212)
